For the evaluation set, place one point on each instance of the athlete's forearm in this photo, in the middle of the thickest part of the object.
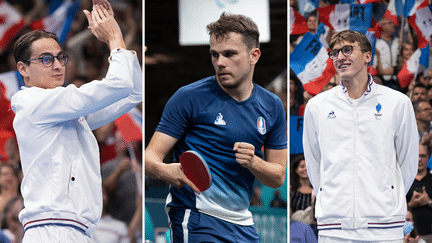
(267, 173)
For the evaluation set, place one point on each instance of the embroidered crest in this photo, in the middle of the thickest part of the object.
(378, 115)
(219, 120)
(261, 125)
(331, 115)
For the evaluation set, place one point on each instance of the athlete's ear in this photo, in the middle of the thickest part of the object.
(255, 55)
(368, 57)
(22, 69)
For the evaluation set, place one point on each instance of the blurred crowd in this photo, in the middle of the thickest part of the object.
(394, 48)
(120, 162)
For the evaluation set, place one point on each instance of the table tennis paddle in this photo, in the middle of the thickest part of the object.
(196, 169)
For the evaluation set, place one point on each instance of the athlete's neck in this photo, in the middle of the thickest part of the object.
(240, 93)
(357, 86)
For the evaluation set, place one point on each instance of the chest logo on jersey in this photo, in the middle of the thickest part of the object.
(378, 114)
(331, 115)
(219, 120)
(261, 125)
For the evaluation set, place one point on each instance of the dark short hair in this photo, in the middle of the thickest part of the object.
(420, 85)
(22, 49)
(295, 178)
(416, 104)
(351, 37)
(312, 14)
(236, 23)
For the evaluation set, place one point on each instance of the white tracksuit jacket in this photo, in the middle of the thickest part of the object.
(361, 158)
(59, 153)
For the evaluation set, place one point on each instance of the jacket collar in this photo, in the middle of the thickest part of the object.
(371, 89)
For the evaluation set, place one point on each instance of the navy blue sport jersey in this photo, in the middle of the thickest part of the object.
(207, 120)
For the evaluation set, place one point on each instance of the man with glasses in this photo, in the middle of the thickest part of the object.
(361, 147)
(59, 154)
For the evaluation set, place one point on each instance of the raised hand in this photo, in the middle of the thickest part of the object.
(103, 25)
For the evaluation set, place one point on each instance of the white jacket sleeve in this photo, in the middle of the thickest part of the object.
(113, 111)
(407, 144)
(52, 106)
(311, 148)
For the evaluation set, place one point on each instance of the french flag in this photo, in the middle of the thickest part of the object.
(310, 62)
(411, 6)
(368, 1)
(11, 23)
(341, 17)
(321, 34)
(8, 86)
(417, 63)
(307, 6)
(297, 23)
(10, 83)
(391, 12)
(130, 125)
(372, 34)
(60, 21)
(421, 22)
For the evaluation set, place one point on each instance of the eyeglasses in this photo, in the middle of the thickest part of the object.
(48, 59)
(346, 51)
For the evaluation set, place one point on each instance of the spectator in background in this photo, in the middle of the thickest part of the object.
(277, 201)
(410, 223)
(301, 232)
(429, 94)
(296, 96)
(31, 10)
(301, 189)
(419, 92)
(119, 180)
(421, 78)
(256, 197)
(294, 4)
(10, 180)
(109, 229)
(11, 226)
(12, 153)
(419, 196)
(312, 23)
(405, 52)
(423, 115)
(387, 49)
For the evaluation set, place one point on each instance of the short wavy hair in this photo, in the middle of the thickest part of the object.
(22, 49)
(351, 37)
(236, 23)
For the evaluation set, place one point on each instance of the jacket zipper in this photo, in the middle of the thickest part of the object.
(355, 158)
